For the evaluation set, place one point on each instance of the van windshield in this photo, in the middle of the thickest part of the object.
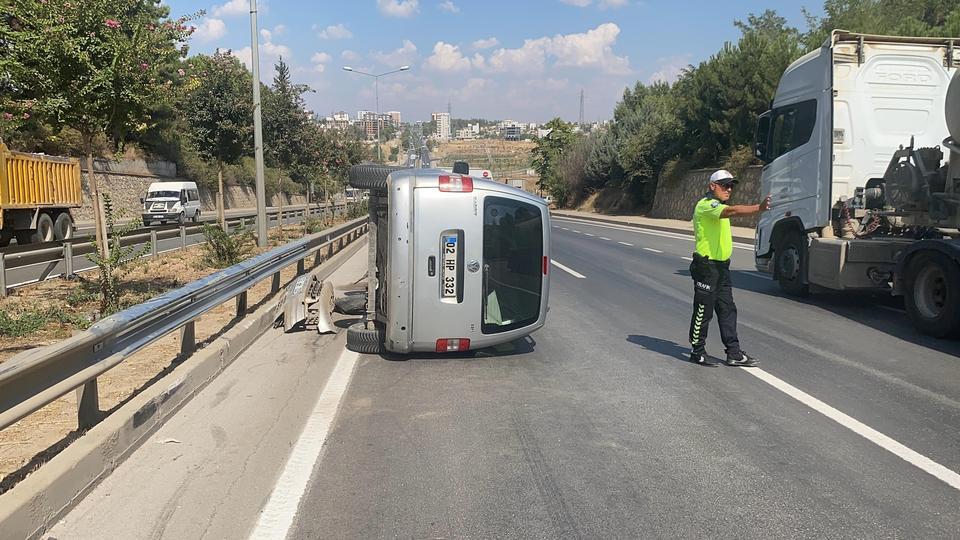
(163, 194)
(512, 258)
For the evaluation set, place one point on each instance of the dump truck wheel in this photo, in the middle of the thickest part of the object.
(363, 340)
(44, 231)
(932, 294)
(63, 227)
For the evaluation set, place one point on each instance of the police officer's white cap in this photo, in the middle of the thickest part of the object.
(723, 177)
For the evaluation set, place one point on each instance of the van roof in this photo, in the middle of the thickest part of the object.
(162, 186)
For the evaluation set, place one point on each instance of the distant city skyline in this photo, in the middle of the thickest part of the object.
(495, 59)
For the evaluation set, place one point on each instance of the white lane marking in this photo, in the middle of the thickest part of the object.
(653, 250)
(912, 457)
(576, 231)
(687, 258)
(570, 271)
(564, 228)
(588, 234)
(605, 238)
(281, 509)
(651, 232)
(626, 243)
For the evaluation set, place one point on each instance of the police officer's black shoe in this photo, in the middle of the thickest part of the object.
(743, 361)
(701, 359)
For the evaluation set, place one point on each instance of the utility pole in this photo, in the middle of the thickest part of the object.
(581, 109)
(258, 129)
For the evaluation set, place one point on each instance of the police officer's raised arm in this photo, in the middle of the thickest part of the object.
(745, 209)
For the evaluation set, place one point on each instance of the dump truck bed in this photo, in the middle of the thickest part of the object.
(38, 181)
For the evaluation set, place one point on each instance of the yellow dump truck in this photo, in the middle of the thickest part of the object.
(36, 194)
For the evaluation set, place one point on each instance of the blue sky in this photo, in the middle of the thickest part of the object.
(525, 60)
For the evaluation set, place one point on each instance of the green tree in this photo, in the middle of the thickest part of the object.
(286, 126)
(547, 154)
(218, 110)
(98, 66)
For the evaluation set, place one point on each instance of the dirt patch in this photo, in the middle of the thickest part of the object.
(27, 444)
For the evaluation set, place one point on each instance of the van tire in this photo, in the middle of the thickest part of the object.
(371, 176)
(932, 294)
(196, 217)
(790, 256)
(363, 340)
(181, 219)
(63, 227)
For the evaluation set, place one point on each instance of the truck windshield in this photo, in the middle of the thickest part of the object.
(163, 194)
(512, 258)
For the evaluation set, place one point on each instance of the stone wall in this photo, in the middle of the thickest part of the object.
(675, 199)
(127, 189)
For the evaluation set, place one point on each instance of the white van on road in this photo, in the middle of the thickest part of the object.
(171, 201)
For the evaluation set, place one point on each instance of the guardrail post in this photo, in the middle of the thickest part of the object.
(275, 284)
(241, 304)
(243, 224)
(183, 237)
(67, 260)
(300, 268)
(153, 242)
(88, 405)
(188, 340)
(3, 276)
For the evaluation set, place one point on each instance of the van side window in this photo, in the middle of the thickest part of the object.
(791, 127)
(193, 194)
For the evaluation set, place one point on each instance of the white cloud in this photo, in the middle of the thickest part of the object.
(269, 54)
(593, 48)
(280, 29)
(398, 57)
(266, 34)
(210, 29)
(669, 69)
(448, 6)
(613, 3)
(486, 43)
(335, 31)
(398, 8)
(447, 57)
(578, 3)
(232, 8)
(320, 60)
(349, 55)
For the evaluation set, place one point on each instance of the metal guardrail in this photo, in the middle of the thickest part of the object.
(35, 378)
(61, 253)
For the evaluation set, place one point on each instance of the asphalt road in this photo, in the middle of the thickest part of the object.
(595, 427)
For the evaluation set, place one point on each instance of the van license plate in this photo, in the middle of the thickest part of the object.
(449, 276)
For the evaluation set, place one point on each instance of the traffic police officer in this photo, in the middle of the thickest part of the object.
(710, 270)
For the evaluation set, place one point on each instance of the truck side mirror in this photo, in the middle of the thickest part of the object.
(761, 137)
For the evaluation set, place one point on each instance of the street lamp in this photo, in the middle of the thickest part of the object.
(376, 79)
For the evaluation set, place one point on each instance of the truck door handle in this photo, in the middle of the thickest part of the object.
(431, 266)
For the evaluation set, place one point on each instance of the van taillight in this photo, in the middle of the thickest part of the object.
(546, 263)
(456, 184)
(453, 344)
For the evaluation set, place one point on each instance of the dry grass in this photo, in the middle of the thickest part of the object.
(29, 443)
(504, 155)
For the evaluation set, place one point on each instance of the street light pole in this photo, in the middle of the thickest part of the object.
(376, 85)
(258, 130)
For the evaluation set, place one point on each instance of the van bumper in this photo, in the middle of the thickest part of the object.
(159, 216)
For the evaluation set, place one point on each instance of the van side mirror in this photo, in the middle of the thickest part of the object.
(761, 136)
(143, 200)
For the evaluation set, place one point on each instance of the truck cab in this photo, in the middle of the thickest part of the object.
(852, 148)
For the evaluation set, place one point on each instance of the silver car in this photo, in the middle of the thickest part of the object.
(462, 263)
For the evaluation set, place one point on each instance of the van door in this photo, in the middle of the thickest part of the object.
(448, 248)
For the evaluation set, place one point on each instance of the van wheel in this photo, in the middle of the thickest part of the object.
(363, 340)
(181, 219)
(932, 295)
(44, 231)
(371, 176)
(791, 260)
(63, 227)
(196, 217)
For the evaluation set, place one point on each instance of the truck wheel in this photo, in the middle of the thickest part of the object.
(5, 236)
(63, 227)
(44, 231)
(365, 341)
(932, 295)
(791, 260)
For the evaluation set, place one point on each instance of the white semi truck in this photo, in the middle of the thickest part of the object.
(862, 159)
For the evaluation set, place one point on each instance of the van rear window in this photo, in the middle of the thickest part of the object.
(512, 264)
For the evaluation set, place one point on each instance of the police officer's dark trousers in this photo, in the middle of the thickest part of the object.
(712, 291)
